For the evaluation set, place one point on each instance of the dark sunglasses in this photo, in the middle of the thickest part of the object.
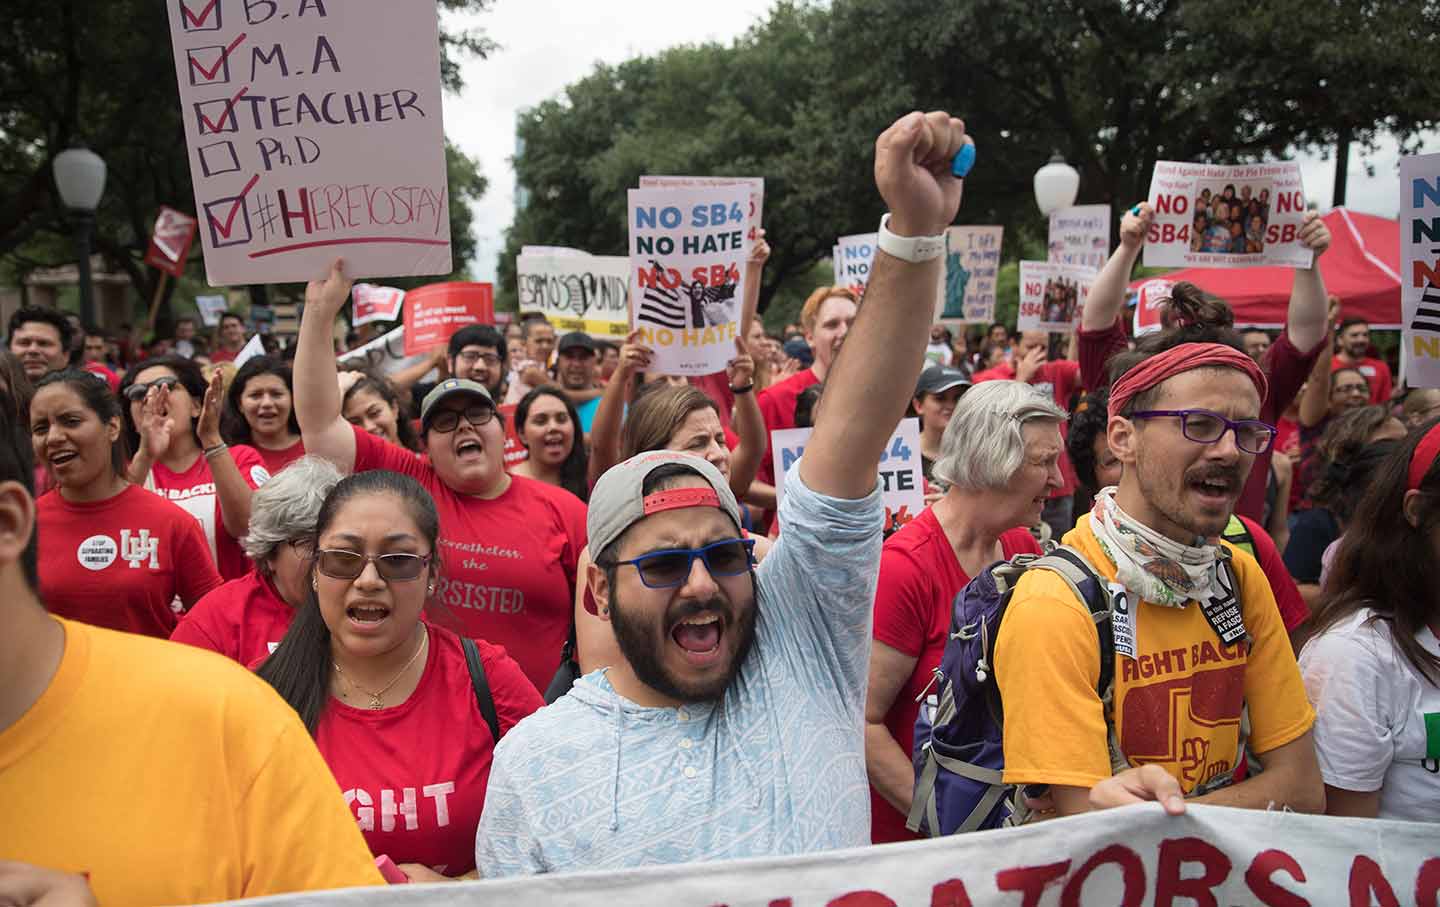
(338, 563)
(136, 392)
(669, 567)
(476, 414)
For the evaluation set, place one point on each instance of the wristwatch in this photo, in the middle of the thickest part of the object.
(909, 248)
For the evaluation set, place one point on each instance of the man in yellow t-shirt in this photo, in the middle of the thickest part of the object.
(1192, 654)
(160, 773)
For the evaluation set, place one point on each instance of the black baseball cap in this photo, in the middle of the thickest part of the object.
(937, 379)
(576, 340)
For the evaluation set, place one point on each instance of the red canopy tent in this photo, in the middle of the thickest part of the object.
(1362, 267)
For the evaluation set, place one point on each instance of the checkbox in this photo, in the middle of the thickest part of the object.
(208, 65)
(218, 158)
(228, 220)
(196, 15)
(216, 116)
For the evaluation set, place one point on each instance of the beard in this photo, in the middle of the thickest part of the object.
(642, 641)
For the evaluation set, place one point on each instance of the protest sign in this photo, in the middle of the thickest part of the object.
(1051, 296)
(314, 131)
(972, 261)
(384, 355)
(1148, 298)
(835, 265)
(252, 348)
(753, 184)
(170, 241)
(1420, 269)
(211, 308)
(1131, 856)
(1226, 216)
(687, 263)
(576, 291)
(373, 303)
(853, 257)
(902, 476)
(440, 309)
(1080, 235)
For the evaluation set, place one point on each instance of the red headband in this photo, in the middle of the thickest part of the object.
(676, 498)
(1182, 358)
(1425, 454)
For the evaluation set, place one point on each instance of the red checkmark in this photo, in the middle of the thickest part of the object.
(208, 75)
(225, 228)
(208, 125)
(189, 20)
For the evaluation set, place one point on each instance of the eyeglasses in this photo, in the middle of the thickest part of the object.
(470, 357)
(338, 563)
(136, 392)
(447, 420)
(1205, 427)
(670, 567)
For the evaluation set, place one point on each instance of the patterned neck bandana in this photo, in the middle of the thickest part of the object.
(1149, 565)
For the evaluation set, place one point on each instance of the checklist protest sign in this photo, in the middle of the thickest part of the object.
(314, 132)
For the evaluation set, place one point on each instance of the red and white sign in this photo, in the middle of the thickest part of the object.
(374, 303)
(1052, 296)
(439, 310)
(1226, 216)
(1149, 297)
(170, 241)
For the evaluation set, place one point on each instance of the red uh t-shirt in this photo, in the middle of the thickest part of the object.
(415, 775)
(244, 620)
(508, 564)
(919, 578)
(121, 563)
(276, 460)
(194, 490)
(777, 405)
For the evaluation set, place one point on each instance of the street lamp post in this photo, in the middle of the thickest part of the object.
(1056, 185)
(80, 179)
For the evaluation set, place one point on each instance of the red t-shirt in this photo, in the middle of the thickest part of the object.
(1287, 596)
(244, 620)
(508, 571)
(1095, 349)
(1059, 378)
(415, 775)
(121, 563)
(1286, 369)
(716, 386)
(194, 490)
(919, 578)
(276, 460)
(777, 405)
(219, 354)
(1376, 372)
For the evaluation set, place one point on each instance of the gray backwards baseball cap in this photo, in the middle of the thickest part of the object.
(449, 388)
(617, 502)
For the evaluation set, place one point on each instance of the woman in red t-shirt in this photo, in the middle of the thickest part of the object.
(110, 553)
(172, 423)
(258, 412)
(246, 618)
(1000, 458)
(388, 696)
(548, 424)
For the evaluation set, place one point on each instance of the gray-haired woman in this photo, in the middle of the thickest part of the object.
(246, 618)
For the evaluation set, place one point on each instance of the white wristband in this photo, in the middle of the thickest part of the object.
(909, 248)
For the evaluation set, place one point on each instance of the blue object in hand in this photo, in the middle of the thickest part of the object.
(964, 160)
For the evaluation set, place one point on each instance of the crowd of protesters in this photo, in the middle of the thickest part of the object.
(525, 606)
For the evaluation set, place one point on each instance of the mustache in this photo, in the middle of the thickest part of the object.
(1230, 476)
(681, 610)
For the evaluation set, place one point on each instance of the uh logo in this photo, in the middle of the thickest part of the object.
(139, 547)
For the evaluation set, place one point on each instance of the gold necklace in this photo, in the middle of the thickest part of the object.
(376, 699)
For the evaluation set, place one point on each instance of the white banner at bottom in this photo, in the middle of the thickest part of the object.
(1209, 857)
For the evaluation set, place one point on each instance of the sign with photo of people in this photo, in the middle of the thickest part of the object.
(1052, 295)
(1225, 216)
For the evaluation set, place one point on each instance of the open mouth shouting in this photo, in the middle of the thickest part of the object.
(699, 636)
(367, 616)
(469, 448)
(62, 457)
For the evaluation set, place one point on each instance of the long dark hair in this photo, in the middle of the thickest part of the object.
(299, 670)
(382, 388)
(234, 427)
(190, 378)
(95, 394)
(1388, 565)
(1344, 448)
(576, 464)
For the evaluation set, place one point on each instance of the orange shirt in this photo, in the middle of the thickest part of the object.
(1177, 703)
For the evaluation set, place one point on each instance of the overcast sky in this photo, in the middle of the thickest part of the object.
(548, 44)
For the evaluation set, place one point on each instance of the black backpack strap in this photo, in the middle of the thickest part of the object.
(483, 699)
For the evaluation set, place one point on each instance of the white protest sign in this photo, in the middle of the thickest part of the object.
(687, 264)
(375, 303)
(211, 308)
(1080, 235)
(1051, 296)
(1131, 856)
(314, 131)
(1149, 298)
(835, 265)
(753, 184)
(382, 356)
(252, 348)
(972, 262)
(1420, 268)
(1226, 216)
(856, 255)
(576, 292)
(901, 474)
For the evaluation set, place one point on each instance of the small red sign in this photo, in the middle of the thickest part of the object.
(433, 313)
(170, 241)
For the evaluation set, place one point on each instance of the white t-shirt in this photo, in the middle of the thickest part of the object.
(938, 354)
(1377, 724)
